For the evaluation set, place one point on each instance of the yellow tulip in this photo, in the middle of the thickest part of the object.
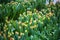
(19, 22)
(19, 37)
(39, 16)
(9, 34)
(0, 5)
(20, 27)
(25, 30)
(21, 33)
(17, 32)
(12, 33)
(7, 21)
(33, 26)
(4, 35)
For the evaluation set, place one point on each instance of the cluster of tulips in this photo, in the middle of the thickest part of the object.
(31, 26)
(20, 21)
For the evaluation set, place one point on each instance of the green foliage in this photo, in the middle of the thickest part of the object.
(20, 20)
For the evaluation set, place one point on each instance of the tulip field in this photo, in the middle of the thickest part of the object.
(29, 20)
